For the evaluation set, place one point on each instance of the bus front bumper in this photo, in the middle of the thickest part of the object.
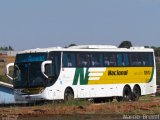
(35, 97)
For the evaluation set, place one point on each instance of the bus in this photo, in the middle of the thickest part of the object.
(98, 72)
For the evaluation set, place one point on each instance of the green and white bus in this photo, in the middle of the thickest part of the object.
(98, 72)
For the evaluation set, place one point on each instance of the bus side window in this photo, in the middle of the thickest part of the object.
(69, 62)
(110, 59)
(82, 60)
(122, 59)
(64, 60)
(106, 61)
(68, 59)
(147, 59)
(126, 59)
(136, 59)
(150, 59)
(96, 59)
(78, 60)
(113, 60)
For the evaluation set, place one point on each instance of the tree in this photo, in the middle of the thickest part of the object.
(6, 48)
(10, 48)
(156, 51)
(72, 45)
(125, 44)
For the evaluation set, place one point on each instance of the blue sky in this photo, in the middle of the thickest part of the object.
(26, 24)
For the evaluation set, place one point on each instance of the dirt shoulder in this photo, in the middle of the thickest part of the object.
(84, 110)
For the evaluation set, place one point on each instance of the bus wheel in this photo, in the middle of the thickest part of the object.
(136, 93)
(68, 95)
(127, 94)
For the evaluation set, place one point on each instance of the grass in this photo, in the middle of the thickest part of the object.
(68, 103)
(77, 103)
(87, 110)
(145, 98)
(153, 110)
(7, 59)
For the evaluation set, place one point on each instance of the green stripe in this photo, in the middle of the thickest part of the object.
(151, 78)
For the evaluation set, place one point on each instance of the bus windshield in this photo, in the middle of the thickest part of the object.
(27, 70)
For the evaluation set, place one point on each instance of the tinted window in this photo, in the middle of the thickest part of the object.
(110, 59)
(31, 57)
(141, 59)
(69, 59)
(96, 60)
(122, 59)
(83, 59)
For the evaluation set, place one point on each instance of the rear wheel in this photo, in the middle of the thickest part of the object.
(127, 94)
(136, 93)
(68, 95)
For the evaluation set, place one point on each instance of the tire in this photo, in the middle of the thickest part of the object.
(136, 93)
(68, 95)
(127, 94)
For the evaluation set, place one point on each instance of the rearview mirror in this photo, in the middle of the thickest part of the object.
(43, 67)
(7, 70)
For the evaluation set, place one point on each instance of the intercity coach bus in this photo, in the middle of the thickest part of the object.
(98, 72)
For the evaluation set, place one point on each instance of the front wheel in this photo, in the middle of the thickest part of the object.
(68, 95)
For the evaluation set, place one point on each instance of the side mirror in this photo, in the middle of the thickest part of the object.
(7, 70)
(43, 67)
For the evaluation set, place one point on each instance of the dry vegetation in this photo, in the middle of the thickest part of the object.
(83, 109)
(4, 60)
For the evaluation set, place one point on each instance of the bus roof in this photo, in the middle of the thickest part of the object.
(89, 48)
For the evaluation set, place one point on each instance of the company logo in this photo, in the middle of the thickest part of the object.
(82, 75)
(117, 72)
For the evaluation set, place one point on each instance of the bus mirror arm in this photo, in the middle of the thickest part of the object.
(7, 70)
(43, 67)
